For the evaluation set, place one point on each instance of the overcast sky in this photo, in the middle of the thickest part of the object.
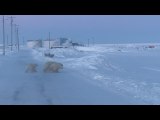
(102, 28)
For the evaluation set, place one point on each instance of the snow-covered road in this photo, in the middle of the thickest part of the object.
(91, 75)
(66, 87)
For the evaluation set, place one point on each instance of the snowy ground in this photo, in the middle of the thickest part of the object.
(96, 75)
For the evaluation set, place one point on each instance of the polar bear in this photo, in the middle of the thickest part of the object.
(31, 68)
(52, 66)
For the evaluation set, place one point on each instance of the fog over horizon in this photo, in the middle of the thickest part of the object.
(111, 29)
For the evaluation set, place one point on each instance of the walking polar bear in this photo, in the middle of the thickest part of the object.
(31, 68)
(52, 67)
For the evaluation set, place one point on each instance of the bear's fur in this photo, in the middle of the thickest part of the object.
(52, 67)
(31, 68)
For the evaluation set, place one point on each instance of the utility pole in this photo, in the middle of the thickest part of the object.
(17, 39)
(7, 40)
(49, 41)
(3, 37)
(11, 31)
(23, 41)
(15, 44)
(88, 42)
(93, 41)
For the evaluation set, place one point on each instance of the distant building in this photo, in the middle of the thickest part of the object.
(34, 43)
(77, 44)
(52, 42)
(63, 40)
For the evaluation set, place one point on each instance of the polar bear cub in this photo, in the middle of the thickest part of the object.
(31, 68)
(52, 67)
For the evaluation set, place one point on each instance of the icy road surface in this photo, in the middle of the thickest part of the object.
(96, 75)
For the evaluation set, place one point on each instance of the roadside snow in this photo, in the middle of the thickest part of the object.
(99, 74)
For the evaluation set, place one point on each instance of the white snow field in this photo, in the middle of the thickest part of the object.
(103, 74)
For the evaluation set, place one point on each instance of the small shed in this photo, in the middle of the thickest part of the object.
(34, 43)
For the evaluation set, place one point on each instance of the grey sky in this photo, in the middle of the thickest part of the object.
(103, 28)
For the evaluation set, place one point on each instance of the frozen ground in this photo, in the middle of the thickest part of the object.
(95, 75)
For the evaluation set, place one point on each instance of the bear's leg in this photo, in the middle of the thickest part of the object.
(56, 70)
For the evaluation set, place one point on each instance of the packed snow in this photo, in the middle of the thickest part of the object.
(101, 74)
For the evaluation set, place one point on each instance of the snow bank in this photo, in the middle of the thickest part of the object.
(99, 74)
